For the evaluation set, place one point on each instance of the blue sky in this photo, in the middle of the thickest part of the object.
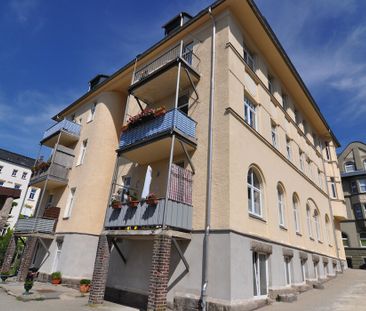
(50, 51)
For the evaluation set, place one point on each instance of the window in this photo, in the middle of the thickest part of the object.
(17, 186)
(316, 269)
(32, 193)
(305, 126)
(281, 205)
(363, 239)
(362, 184)
(92, 112)
(345, 239)
(349, 166)
(297, 119)
(358, 211)
(333, 192)
(250, 113)
(327, 150)
(325, 266)
(288, 148)
(284, 102)
(274, 134)
(49, 201)
(327, 229)
(317, 224)
(248, 58)
(82, 152)
(70, 203)
(14, 173)
(259, 274)
(308, 221)
(270, 83)
(301, 157)
(24, 175)
(295, 208)
(1, 168)
(288, 270)
(353, 186)
(303, 270)
(320, 178)
(254, 193)
(2, 182)
(364, 165)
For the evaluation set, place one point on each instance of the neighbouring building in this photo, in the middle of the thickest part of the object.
(210, 136)
(352, 163)
(15, 172)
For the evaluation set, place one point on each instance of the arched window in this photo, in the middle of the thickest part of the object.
(327, 229)
(317, 224)
(308, 220)
(345, 239)
(295, 209)
(349, 166)
(254, 193)
(281, 204)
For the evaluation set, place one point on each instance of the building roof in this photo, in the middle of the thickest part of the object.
(16, 158)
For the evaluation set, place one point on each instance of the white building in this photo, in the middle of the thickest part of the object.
(15, 172)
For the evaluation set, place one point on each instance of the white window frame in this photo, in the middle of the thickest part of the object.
(257, 274)
(249, 58)
(362, 185)
(70, 203)
(345, 239)
(316, 218)
(250, 113)
(333, 188)
(281, 205)
(274, 134)
(295, 208)
(82, 152)
(327, 229)
(32, 194)
(303, 270)
(253, 190)
(308, 221)
(92, 112)
(327, 151)
(349, 167)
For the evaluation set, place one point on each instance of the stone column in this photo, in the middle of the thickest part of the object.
(159, 275)
(9, 255)
(27, 257)
(101, 266)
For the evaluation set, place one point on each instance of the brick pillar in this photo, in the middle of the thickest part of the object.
(159, 275)
(100, 273)
(9, 255)
(27, 257)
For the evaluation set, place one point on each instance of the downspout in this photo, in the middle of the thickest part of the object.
(331, 213)
(203, 298)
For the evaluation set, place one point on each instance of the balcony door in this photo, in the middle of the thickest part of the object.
(260, 277)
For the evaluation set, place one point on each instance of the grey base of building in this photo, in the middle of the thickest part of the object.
(357, 257)
(230, 271)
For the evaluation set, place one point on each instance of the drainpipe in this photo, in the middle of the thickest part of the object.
(203, 298)
(331, 213)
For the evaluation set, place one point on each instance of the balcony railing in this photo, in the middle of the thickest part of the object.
(172, 120)
(64, 125)
(35, 225)
(165, 59)
(55, 171)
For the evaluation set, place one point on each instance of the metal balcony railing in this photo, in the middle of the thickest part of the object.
(173, 119)
(64, 125)
(54, 170)
(35, 225)
(164, 59)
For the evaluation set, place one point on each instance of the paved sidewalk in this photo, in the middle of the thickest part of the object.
(344, 293)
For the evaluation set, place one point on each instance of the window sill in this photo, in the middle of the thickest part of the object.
(298, 233)
(321, 242)
(282, 227)
(311, 238)
(65, 217)
(330, 245)
(257, 217)
(89, 121)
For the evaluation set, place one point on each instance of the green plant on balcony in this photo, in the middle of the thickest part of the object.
(116, 203)
(152, 199)
(133, 200)
(144, 116)
(41, 167)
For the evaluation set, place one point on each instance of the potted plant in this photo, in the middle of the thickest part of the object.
(4, 276)
(84, 285)
(152, 199)
(133, 200)
(28, 284)
(56, 278)
(160, 111)
(116, 203)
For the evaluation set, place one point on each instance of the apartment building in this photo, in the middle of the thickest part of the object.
(15, 172)
(352, 163)
(201, 173)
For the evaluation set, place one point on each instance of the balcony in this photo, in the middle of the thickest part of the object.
(157, 79)
(339, 210)
(70, 132)
(35, 225)
(150, 141)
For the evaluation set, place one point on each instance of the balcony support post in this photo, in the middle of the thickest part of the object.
(168, 179)
(190, 80)
(40, 241)
(138, 102)
(188, 157)
(119, 251)
(181, 255)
